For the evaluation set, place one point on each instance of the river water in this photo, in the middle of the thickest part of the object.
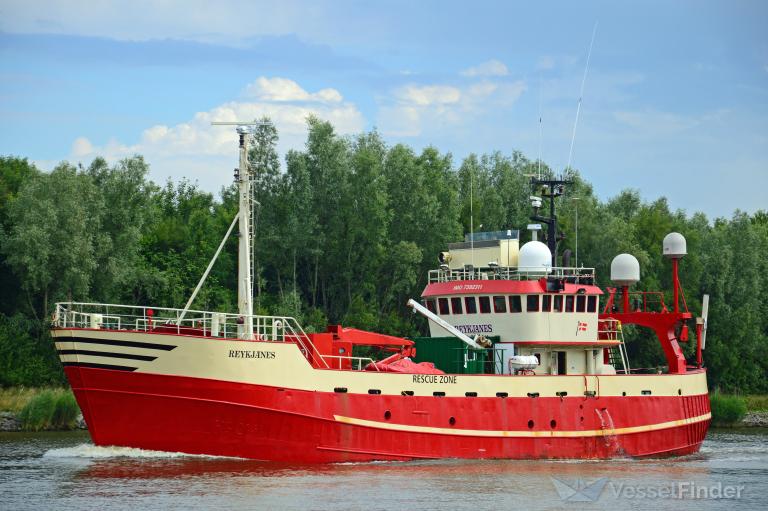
(65, 471)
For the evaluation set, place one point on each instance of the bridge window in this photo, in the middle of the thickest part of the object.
(443, 304)
(581, 303)
(569, 303)
(546, 303)
(558, 305)
(430, 305)
(470, 304)
(592, 303)
(499, 304)
(533, 303)
(485, 304)
(456, 305)
(515, 304)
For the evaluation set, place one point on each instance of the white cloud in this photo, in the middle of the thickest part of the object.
(195, 149)
(428, 94)
(412, 108)
(545, 63)
(283, 89)
(489, 68)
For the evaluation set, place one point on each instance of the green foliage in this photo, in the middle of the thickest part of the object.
(27, 356)
(49, 409)
(38, 414)
(65, 411)
(727, 410)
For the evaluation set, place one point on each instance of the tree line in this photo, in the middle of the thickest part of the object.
(347, 229)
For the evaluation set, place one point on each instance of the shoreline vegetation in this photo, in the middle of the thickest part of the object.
(55, 409)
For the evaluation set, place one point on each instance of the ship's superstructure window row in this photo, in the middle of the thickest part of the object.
(513, 304)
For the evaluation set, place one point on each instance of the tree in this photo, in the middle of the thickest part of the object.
(55, 228)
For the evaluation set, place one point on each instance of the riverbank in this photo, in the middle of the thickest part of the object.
(39, 409)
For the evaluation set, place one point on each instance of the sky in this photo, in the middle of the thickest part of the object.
(675, 101)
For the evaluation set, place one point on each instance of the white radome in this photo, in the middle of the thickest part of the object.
(625, 270)
(674, 245)
(535, 256)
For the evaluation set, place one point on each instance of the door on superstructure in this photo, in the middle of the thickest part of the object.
(562, 367)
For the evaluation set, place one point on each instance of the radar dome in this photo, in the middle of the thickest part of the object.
(535, 256)
(674, 245)
(625, 270)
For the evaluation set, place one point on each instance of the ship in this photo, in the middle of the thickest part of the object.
(525, 359)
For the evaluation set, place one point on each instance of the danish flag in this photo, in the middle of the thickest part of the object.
(582, 327)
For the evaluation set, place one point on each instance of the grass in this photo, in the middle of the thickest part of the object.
(727, 410)
(41, 408)
(13, 399)
(757, 403)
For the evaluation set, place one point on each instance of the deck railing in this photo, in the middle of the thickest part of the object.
(176, 321)
(574, 275)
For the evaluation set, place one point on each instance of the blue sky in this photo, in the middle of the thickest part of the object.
(675, 103)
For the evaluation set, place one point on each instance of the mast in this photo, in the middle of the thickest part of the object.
(244, 286)
(550, 189)
(244, 177)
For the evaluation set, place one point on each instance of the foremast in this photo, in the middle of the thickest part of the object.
(244, 284)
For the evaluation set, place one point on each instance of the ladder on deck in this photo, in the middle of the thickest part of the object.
(618, 353)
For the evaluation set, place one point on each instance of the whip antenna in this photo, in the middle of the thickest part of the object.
(581, 94)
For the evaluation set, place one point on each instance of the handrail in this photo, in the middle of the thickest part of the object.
(351, 358)
(142, 318)
(578, 275)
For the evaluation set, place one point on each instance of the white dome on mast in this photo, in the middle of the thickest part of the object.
(534, 257)
(625, 270)
(674, 245)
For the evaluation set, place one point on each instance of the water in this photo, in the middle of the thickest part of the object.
(65, 471)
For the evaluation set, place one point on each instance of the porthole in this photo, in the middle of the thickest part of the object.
(553, 424)
(452, 421)
(530, 424)
(387, 415)
(407, 393)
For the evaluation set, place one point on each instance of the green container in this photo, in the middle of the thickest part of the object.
(453, 356)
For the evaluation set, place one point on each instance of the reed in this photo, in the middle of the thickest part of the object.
(727, 410)
(49, 409)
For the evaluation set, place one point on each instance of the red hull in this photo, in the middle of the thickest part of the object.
(198, 416)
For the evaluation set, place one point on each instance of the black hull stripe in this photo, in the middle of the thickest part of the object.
(109, 354)
(109, 342)
(98, 366)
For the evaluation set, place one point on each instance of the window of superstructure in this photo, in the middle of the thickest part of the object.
(456, 305)
(470, 305)
(569, 303)
(532, 303)
(485, 304)
(499, 304)
(558, 305)
(592, 303)
(546, 303)
(443, 305)
(581, 303)
(430, 303)
(515, 304)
